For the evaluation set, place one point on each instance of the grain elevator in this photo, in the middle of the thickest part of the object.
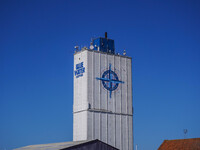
(102, 106)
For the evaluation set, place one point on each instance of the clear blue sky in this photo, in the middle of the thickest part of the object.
(37, 39)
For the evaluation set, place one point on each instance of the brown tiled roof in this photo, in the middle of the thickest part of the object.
(181, 144)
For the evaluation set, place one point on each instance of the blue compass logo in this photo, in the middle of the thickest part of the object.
(110, 80)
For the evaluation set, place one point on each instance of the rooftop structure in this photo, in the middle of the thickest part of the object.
(103, 44)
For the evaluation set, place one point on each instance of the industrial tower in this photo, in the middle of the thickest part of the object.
(102, 107)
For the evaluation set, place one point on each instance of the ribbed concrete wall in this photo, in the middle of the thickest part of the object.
(108, 119)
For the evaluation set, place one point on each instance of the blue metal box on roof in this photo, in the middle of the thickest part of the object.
(104, 45)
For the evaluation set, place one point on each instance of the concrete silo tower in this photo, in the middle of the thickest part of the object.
(102, 107)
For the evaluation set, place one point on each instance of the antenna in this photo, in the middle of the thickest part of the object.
(185, 133)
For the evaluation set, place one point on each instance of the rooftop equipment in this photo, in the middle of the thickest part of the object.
(104, 44)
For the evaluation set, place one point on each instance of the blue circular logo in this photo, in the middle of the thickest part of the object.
(110, 80)
(109, 84)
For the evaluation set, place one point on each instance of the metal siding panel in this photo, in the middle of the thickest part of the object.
(123, 70)
(118, 90)
(111, 99)
(97, 126)
(111, 129)
(111, 107)
(104, 127)
(90, 78)
(124, 133)
(118, 131)
(89, 125)
(97, 83)
(129, 92)
(130, 132)
(103, 64)
(130, 105)
(103, 91)
(84, 93)
(90, 99)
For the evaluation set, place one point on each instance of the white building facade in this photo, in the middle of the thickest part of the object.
(102, 107)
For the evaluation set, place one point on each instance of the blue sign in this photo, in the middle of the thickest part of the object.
(110, 80)
(80, 69)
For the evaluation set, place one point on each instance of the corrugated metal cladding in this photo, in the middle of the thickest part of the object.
(97, 115)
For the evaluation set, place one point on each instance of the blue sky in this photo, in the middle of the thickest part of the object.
(37, 40)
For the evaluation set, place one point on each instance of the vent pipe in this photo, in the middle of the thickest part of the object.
(106, 35)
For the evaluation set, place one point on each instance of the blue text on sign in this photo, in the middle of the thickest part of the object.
(79, 70)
